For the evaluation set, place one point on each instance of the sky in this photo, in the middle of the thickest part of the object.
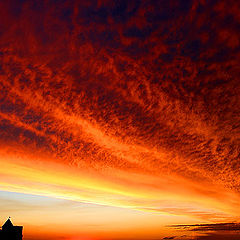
(119, 120)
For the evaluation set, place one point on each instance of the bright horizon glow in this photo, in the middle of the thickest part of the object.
(63, 182)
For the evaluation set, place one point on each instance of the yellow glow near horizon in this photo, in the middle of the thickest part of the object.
(60, 181)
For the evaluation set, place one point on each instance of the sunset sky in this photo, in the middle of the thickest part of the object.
(120, 119)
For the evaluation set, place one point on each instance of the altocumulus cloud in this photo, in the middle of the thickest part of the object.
(142, 95)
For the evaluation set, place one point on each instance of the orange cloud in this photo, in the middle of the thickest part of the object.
(140, 114)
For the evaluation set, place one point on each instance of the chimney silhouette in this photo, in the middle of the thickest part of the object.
(10, 232)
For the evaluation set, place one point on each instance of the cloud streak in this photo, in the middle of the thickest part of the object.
(210, 227)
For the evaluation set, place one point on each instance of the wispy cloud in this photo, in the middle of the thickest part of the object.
(123, 104)
(210, 227)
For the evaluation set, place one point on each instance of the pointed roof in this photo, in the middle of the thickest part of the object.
(7, 224)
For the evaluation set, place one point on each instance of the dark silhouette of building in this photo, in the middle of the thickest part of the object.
(10, 232)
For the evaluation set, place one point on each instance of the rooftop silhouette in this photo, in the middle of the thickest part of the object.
(10, 232)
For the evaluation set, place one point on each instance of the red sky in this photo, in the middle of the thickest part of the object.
(128, 110)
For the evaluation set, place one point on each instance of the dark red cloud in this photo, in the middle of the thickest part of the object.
(212, 231)
(140, 86)
(210, 227)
